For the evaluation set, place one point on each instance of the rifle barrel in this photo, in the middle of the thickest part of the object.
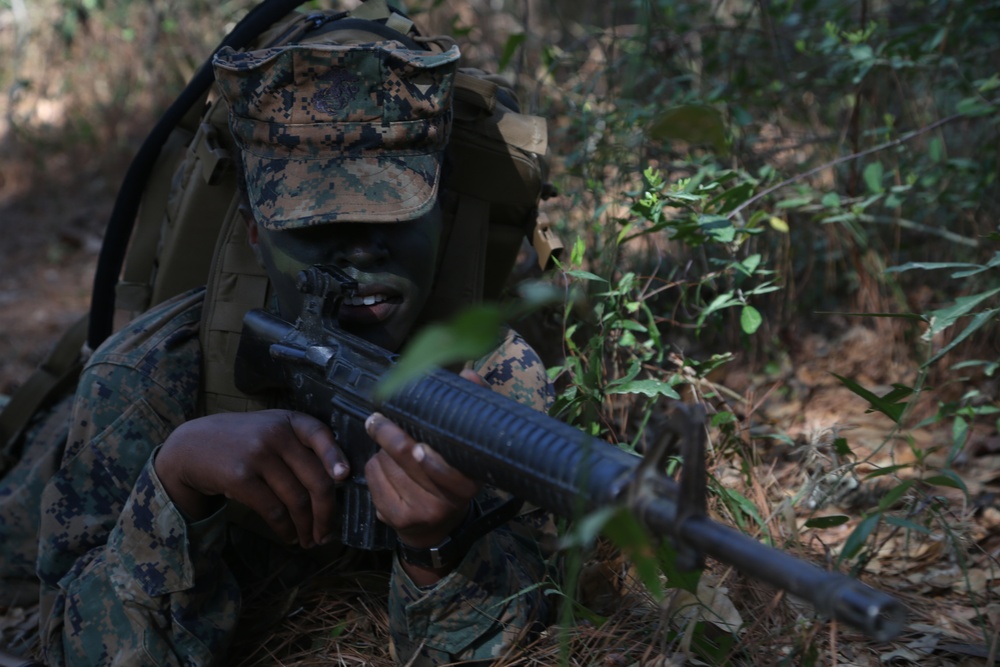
(558, 467)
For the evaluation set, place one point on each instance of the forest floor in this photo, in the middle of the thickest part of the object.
(51, 220)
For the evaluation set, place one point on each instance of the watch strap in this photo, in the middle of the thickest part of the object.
(453, 548)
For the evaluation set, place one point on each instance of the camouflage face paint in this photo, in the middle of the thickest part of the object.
(393, 263)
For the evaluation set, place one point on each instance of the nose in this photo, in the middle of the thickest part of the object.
(362, 246)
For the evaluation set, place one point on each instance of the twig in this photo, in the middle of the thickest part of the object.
(846, 158)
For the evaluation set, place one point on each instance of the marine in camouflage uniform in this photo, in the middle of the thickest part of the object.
(126, 577)
(328, 134)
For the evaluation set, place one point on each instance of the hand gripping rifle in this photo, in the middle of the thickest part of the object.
(332, 375)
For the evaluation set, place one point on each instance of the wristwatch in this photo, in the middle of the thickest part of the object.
(450, 551)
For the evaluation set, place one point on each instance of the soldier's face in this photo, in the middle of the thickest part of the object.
(393, 264)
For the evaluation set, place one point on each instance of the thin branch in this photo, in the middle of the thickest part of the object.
(846, 158)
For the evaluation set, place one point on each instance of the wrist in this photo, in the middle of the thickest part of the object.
(439, 554)
(446, 555)
(192, 503)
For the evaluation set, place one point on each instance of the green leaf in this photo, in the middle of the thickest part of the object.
(898, 392)
(677, 578)
(930, 266)
(974, 106)
(959, 436)
(718, 228)
(718, 303)
(947, 478)
(576, 255)
(858, 537)
(629, 325)
(982, 268)
(338, 629)
(908, 525)
(795, 202)
(625, 531)
(986, 85)
(703, 368)
(881, 472)
(827, 521)
(977, 322)
(841, 447)
(749, 265)
(894, 494)
(862, 52)
(697, 124)
(509, 48)
(935, 149)
(470, 335)
(888, 405)
(750, 319)
(943, 318)
(586, 530)
(721, 418)
(830, 200)
(651, 388)
(732, 197)
(743, 503)
(585, 275)
(873, 177)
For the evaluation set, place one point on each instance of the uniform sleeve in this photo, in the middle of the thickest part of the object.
(492, 600)
(125, 580)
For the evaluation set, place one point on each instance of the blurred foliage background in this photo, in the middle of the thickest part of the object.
(761, 202)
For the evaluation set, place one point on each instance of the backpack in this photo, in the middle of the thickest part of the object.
(175, 223)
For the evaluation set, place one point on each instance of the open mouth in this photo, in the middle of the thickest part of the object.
(369, 300)
(367, 309)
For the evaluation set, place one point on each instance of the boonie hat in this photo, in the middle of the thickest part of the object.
(339, 132)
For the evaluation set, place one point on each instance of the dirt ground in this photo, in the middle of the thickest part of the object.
(52, 212)
(51, 224)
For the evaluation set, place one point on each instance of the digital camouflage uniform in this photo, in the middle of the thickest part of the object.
(20, 490)
(125, 577)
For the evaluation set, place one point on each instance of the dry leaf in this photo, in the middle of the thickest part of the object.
(711, 604)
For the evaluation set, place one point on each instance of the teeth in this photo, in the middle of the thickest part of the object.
(369, 300)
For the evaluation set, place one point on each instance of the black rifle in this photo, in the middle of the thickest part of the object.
(332, 375)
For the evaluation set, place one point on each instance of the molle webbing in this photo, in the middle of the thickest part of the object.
(236, 284)
(181, 216)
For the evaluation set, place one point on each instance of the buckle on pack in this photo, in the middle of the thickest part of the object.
(215, 160)
(547, 243)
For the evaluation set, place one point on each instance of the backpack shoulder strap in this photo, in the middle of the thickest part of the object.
(496, 177)
(54, 376)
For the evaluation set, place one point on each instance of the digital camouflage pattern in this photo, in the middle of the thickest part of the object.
(334, 132)
(20, 489)
(127, 580)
